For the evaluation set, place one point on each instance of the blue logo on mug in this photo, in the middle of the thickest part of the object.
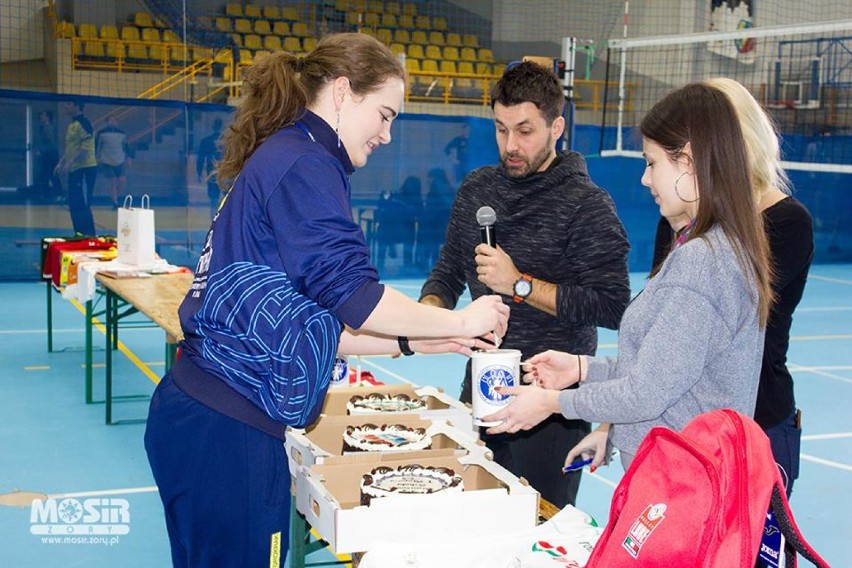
(492, 377)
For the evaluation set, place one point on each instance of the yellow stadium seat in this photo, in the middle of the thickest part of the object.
(397, 48)
(448, 67)
(224, 24)
(245, 57)
(292, 44)
(454, 39)
(252, 11)
(109, 32)
(260, 53)
(465, 86)
(367, 31)
(360, 5)
(66, 30)
(409, 9)
(233, 9)
(237, 39)
(468, 54)
(262, 27)
(389, 21)
(402, 36)
(157, 53)
(486, 55)
(130, 33)
(176, 55)
(137, 52)
(300, 29)
(289, 13)
(143, 20)
(375, 6)
(242, 26)
(415, 51)
(392, 8)
(406, 21)
(422, 22)
(151, 35)
(372, 19)
(483, 68)
(384, 35)
(436, 38)
(471, 40)
(271, 12)
(309, 44)
(253, 42)
(412, 65)
(94, 49)
(440, 23)
(419, 36)
(170, 37)
(341, 5)
(202, 53)
(451, 53)
(431, 82)
(466, 67)
(88, 31)
(352, 18)
(433, 52)
(281, 29)
(114, 49)
(272, 43)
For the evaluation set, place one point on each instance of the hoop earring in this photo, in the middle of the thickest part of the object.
(337, 129)
(678, 193)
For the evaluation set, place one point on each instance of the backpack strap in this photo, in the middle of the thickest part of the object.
(795, 540)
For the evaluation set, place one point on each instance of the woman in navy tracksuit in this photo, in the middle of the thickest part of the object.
(282, 285)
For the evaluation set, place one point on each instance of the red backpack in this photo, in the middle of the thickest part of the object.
(700, 498)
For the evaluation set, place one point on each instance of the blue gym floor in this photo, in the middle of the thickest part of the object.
(52, 442)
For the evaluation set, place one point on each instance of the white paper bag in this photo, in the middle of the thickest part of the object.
(136, 233)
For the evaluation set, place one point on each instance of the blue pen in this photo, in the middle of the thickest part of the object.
(577, 465)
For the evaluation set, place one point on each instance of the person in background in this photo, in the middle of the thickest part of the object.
(411, 196)
(560, 260)
(691, 341)
(389, 216)
(79, 162)
(458, 148)
(47, 156)
(436, 214)
(283, 286)
(209, 154)
(113, 155)
(789, 228)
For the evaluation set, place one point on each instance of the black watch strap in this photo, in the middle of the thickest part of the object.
(404, 347)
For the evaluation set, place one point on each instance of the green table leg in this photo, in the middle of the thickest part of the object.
(89, 348)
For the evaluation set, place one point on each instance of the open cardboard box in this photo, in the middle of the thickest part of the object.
(439, 405)
(493, 502)
(322, 442)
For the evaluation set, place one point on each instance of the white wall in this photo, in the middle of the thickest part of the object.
(21, 30)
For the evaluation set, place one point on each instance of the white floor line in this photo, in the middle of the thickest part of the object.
(829, 463)
(820, 337)
(604, 480)
(127, 491)
(384, 370)
(816, 371)
(829, 279)
(837, 436)
(825, 309)
(794, 367)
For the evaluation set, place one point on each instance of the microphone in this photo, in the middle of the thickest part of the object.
(486, 217)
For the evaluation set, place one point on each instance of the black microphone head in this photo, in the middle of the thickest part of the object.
(486, 216)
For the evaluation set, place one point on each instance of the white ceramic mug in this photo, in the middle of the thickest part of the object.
(490, 369)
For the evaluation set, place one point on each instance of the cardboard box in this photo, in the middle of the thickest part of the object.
(322, 442)
(439, 405)
(493, 501)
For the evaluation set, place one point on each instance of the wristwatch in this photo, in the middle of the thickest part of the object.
(522, 288)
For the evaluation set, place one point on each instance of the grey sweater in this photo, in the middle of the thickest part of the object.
(688, 343)
(558, 226)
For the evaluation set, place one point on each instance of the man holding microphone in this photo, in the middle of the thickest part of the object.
(560, 259)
